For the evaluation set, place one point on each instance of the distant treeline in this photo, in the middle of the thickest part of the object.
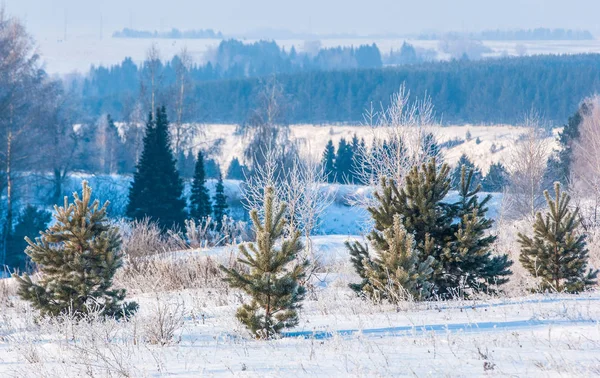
(173, 34)
(539, 34)
(487, 91)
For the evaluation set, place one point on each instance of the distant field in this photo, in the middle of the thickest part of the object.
(78, 54)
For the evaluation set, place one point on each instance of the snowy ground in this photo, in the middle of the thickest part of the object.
(338, 335)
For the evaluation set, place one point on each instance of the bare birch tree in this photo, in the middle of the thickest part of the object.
(152, 76)
(527, 166)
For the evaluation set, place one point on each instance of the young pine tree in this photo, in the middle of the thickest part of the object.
(557, 253)
(329, 162)
(396, 272)
(273, 278)
(30, 222)
(220, 207)
(200, 198)
(77, 257)
(157, 190)
(469, 263)
(465, 162)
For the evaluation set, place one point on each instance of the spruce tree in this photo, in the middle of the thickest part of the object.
(273, 277)
(328, 161)
(557, 254)
(220, 207)
(77, 257)
(200, 198)
(343, 162)
(396, 272)
(496, 179)
(465, 162)
(235, 170)
(157, 190)
(30, 223)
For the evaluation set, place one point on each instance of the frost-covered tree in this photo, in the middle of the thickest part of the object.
(273, 275)
(77, 257)
(557, 254)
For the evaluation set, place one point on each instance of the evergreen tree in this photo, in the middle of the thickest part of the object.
(557, 254)
(212, 169)
(431, 148)
(220, 207)
(200, 198)
(235, 170)
(471, 264)
(465, 162)
(157, 190)
(496, 179)
(396, 273)
(328, 161)
(559, 165)
(460, 250)
(272, 278)
(78, 257)
(343, 162)
(30, 223)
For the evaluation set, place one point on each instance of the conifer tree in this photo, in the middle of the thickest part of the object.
(235, 170)
(464, 161)
(220, 207)
(397, 273)
(200, 198)
(29, 224)
(273, 278)
(557, 254)
(460, 250)
(328, 161)
(343, 162)
(77, 257)
(471, 264)
(157, 190)
(496, 179)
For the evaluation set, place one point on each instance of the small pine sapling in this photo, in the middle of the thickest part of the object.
(557, 254)
(273, 276)
(77, 258)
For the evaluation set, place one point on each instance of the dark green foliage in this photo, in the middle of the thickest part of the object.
(465, 162)
(220, 200)
(453, 234)
(77, 257)
(157, 190)
(273, 277)
(559, 164)
(471, 264)
(200, 206)
(212, 169)
(496, 179)
(235, 170)
(30, 223)
(328, 161)
(557, 254)
(396, 272)
(344, 162)
(186, 164)
(432, 148)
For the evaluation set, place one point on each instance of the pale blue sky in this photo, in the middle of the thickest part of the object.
(47, 17)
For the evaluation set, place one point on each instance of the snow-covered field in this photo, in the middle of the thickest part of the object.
(313, 138)
(339, 335)
(77, 54)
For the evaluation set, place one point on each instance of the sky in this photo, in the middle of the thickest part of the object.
(46, 18)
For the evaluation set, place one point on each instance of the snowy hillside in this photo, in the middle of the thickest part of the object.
(313, 138)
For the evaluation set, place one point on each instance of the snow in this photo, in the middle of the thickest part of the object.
(312, 140)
